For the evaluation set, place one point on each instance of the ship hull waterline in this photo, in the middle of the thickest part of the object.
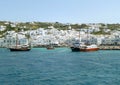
(83, 49)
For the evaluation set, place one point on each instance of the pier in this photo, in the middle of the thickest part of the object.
(109, 47)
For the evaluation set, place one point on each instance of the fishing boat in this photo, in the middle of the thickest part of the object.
(50, 44)
(83, 47)
(49, 47)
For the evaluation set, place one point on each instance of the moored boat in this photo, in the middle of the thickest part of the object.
(20, 48)
(50, 47)
(85, 48)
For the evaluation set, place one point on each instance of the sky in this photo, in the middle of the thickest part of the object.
(64, 11)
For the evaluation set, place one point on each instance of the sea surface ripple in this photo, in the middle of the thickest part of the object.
(59, 67)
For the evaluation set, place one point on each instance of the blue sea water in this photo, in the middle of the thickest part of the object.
(59, 67)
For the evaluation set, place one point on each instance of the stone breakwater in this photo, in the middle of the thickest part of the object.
(109, 47)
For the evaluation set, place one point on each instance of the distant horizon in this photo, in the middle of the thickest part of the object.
(58, 22)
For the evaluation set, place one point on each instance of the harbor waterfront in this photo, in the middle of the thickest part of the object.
(109, 47)
(60, 66)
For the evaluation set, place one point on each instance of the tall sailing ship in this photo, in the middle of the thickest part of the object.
(18, 47)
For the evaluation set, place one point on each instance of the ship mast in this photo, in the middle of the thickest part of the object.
(17, 38)
(29, 38)
(79, 36)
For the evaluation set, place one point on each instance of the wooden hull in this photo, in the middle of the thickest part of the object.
(75, 49)
(19, 49)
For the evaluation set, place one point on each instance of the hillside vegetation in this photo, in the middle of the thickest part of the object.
(19, 26)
